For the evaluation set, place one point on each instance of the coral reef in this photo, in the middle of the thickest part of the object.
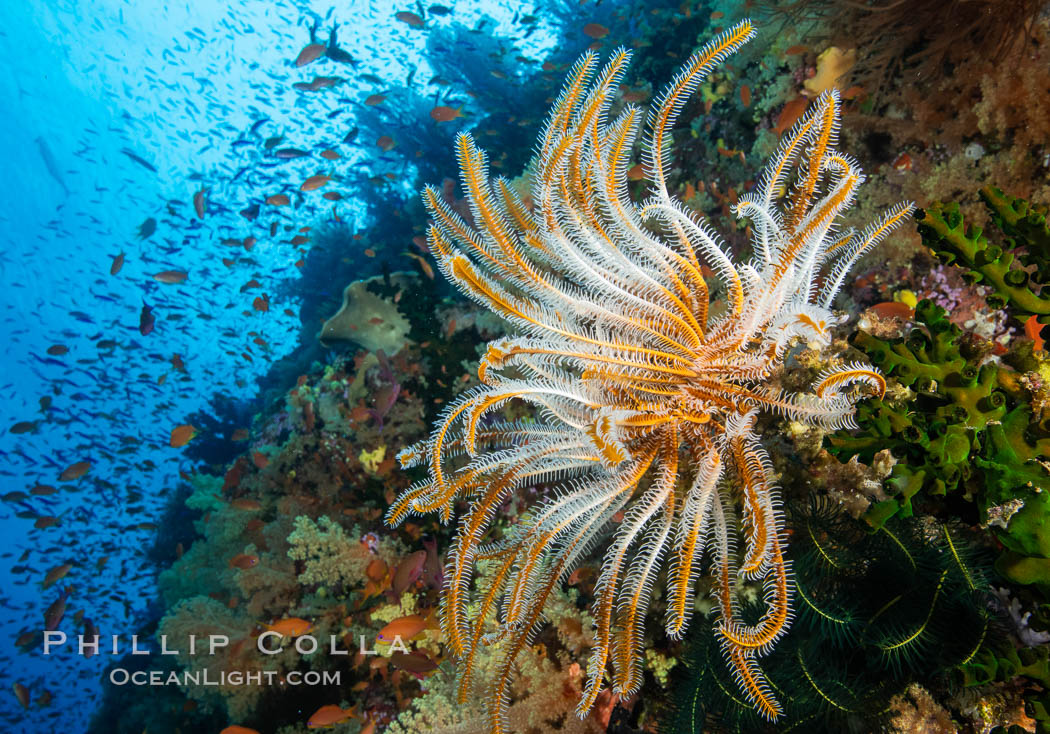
(932, 432)
(538, 704)
(290, 538)
(963, 419)
(289, 513)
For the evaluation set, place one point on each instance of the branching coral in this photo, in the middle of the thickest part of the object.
(647, 391)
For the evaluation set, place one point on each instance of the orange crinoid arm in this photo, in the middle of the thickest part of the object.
(645, 405)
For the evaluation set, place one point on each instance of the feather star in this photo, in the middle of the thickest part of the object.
(646, 393)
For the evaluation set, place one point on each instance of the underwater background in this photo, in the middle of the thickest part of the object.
(224, 319)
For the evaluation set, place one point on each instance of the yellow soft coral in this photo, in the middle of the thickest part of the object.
(331, 556)
(832, 65)
(371, 460)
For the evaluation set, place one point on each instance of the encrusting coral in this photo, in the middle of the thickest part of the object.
(646, 388)
(1023, 225)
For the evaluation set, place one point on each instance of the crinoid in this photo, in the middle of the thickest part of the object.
(646, 397)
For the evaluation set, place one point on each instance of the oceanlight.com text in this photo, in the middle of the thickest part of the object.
(123, 677)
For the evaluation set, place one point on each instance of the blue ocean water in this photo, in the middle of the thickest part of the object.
(138, 137)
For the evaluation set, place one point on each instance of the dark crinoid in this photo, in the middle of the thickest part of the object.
(875, 611)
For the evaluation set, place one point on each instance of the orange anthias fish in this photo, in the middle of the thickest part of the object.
(410, 18)
(427, 269)
(893, 310)
(278, 200)
(244, 561)
(22, 694)
(182, 435)
(634, 95)
(330, 715)
(417, 662)
(75, 471)
(790, 114)
(319, 82)
(444, 113)
(408, 571)
(386, 143)
(170, 276)
(199, 203)
(56, 574)
(315, 182)
(235, 729)
(309, 54)
(404, 628)
(376, 570)
(373, 99)
(54, 613)
(595, 30)
(290, 627)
